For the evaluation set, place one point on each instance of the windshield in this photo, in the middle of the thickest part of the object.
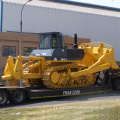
(45, 41)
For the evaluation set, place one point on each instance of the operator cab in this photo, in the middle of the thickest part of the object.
(51, 48)
(51, 40)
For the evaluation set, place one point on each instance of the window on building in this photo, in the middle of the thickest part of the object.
(8, 50)
(28, 50)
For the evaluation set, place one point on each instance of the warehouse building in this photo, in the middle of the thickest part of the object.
(91, 23)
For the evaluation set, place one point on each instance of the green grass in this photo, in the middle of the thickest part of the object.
(111, 114)
(93, 110)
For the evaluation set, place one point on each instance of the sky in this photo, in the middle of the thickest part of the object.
(109, 3)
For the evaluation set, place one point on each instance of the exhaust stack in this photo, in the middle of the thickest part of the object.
(75, 41)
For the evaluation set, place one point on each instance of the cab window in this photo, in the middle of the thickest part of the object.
(45, 41)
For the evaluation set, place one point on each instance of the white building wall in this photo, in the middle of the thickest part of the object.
(101, 27)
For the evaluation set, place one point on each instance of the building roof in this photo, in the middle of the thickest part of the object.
(86, 4)
(67, 7)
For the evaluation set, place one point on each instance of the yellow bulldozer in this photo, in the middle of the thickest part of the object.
(54, 65)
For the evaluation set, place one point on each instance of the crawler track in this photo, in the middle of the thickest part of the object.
(58, 77)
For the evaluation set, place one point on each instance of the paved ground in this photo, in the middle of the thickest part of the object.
(113, 95)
